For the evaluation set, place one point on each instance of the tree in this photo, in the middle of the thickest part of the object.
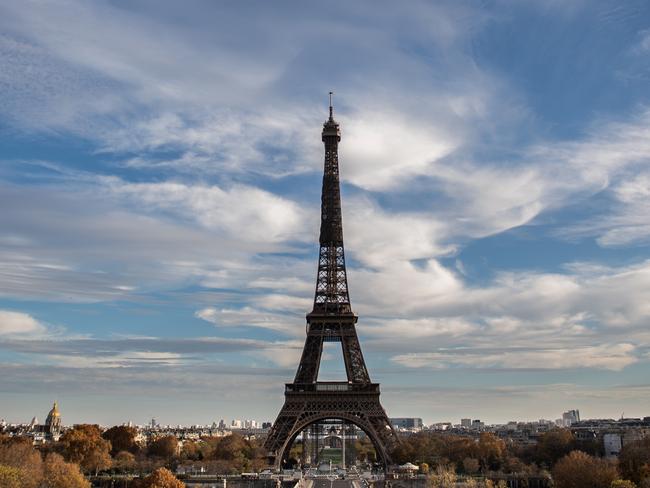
(164, 447)
(490, 451)
(124, 461)
(84, 445)
(238, 454)
(623, 484)
(580, 470)
(634, 460)
(553, 445)
(10, 477)
(470, 465)
(160, 478)
(122, 438)
(19, 455)
(59, 474)
(191, 450)
(443, 478)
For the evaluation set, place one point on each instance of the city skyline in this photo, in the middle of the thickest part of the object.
(160, 172)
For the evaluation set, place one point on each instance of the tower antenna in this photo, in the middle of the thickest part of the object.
(331, 110)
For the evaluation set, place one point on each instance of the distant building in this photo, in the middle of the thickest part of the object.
(53, 423)
(612, 444)
(466, 423)
(406, 423)
(570, 417)
(50, 431)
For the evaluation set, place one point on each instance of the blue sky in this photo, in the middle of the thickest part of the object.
(160, 168)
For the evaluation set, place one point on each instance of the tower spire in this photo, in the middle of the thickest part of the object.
(331, 107)
(331, 295)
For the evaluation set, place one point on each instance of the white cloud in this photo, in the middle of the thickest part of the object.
(377, 237)
(613, 357)
(245, 213)
(250, 317)
(18, 323)
(383, 150)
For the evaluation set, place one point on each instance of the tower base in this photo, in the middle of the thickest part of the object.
(306, 404)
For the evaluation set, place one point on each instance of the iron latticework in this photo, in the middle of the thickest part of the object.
(307, 400)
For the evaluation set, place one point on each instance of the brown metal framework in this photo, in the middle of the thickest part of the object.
(307, 400)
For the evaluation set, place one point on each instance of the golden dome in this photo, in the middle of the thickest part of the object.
(54, 414)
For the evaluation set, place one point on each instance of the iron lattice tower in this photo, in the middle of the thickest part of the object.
(308, 400)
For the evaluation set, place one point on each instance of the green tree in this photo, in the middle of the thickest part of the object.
(84, 445)
(580, 470)
(59, 474)
(122, 438)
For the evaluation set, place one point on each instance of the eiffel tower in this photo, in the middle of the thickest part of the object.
(307, 400)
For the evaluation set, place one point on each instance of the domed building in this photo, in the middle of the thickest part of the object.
(53, 423)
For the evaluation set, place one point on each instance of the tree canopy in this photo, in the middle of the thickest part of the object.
(580, 470)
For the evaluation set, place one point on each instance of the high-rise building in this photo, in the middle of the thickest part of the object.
(570, 417)
(466, 423)
(410, 423)
(477, 424)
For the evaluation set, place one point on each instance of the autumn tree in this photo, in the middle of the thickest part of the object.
(10, 477)
(122, 438)
(160, 478)
(84, 445)
(622, 484)
(192, 450)
(238, 454)
(580, 470)
(553, 445)
(491, 450)
(634, 460)
(124, 461)
(365, 450)
(164, 447)
(59, 474)
(21, 459)
(471, 465)
(443, 478)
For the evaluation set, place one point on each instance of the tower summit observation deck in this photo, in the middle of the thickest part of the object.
(307, 400)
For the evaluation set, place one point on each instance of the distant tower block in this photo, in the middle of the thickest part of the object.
(307, 400)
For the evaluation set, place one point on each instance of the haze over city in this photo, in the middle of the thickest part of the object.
(160, 178)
